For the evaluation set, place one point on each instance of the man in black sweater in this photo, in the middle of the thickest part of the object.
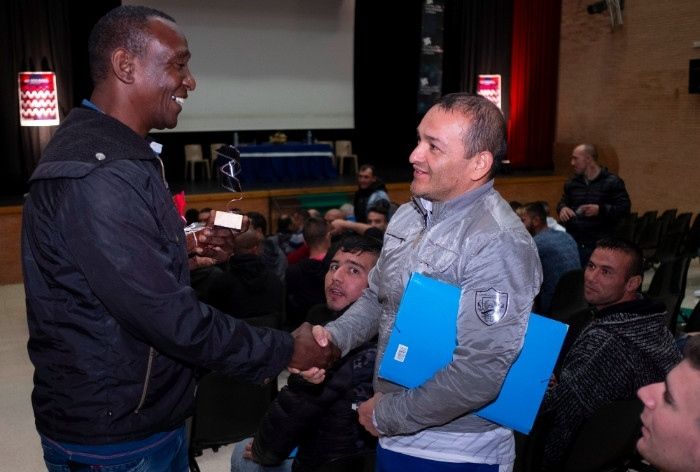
(627, 345)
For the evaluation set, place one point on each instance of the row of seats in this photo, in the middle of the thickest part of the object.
(194, 156)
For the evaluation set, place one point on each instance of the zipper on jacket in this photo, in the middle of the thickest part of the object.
(151, 356)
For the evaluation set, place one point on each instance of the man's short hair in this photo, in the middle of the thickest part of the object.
(382, 207)
(365, 167)
(357, 244)
(315, 230)
(257, 221)
(589, 149)
(488, 126)
(627, 247)
(692, 351)
(123, 27)
(537, 209)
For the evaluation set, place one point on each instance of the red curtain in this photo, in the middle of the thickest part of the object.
(533, 87)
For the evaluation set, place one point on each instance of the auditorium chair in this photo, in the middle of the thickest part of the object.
(194, 157)
(343, 150)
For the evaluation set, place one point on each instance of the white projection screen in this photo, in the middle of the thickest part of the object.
(266, 64)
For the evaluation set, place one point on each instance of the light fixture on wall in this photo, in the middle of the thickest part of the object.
(615, 8)
(38, 99)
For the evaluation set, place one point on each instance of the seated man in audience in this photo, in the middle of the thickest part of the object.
(305, 278)
(272, 254)
(627, 345)
(248, 287)
(558, 252)
(321, 419)
(671, 417)
(377, 222)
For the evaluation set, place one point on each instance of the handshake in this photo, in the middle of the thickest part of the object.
(308, 353)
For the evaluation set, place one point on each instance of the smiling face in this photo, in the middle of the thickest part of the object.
(347, 277)
(441, 171)
(162, 78)
(671, 420)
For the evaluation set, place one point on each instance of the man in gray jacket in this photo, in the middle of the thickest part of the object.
(457, 229)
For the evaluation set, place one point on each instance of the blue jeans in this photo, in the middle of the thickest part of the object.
(168, 453)
(241, 464)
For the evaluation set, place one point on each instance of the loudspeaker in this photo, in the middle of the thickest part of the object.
(694, 76)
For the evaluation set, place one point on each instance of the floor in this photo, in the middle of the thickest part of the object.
(19, 446)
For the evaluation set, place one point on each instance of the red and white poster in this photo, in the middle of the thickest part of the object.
(489, 86)
(38, 99)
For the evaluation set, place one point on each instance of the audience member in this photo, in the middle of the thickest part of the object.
(627, 345)
(305, 278)
(115, 330)
(321, 419)
(248, 287)
(671, 417)
(272, 254)
(377, 222)
(594, 201)
(557, 250)
(459, 230)
(370, 190)
(334, 214)
(551, 221)
(348, 210)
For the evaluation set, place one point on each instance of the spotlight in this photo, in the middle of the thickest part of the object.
(597, 7)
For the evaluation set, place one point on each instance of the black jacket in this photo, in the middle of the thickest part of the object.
(606, 190)
(115, 330)
(320, 419)
(361, 199)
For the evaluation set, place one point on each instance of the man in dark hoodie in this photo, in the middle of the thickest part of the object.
(626, 346)
(321, 419)
(370, 190)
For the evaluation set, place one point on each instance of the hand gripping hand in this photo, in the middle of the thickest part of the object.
(308, 353)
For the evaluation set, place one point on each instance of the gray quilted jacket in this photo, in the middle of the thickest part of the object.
(476, 242)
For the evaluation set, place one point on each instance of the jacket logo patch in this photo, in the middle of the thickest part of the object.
(491, 305)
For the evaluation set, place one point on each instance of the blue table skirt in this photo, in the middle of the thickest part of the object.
(286, 162)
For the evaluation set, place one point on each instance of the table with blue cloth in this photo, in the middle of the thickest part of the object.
(286, 162)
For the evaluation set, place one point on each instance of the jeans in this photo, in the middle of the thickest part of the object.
(240, 464)
(165, 456)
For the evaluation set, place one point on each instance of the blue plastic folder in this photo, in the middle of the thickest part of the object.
(424, 338)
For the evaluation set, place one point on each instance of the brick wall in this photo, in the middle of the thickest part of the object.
(628, 90)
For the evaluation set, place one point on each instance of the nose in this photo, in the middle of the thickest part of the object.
(189, 81)
(647, 394)
(416, 155)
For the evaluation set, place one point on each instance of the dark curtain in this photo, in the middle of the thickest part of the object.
(533, 90)
(36, 32)
(478, 37)
(48, 35)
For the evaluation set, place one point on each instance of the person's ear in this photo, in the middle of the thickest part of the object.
(482, 165)
(123, 65)
(633, 283)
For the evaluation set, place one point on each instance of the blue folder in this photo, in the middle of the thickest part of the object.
(424, 338)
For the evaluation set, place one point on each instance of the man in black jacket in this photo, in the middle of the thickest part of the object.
(115, 330)
(370, 191)
(321, 419)
(594, 201)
